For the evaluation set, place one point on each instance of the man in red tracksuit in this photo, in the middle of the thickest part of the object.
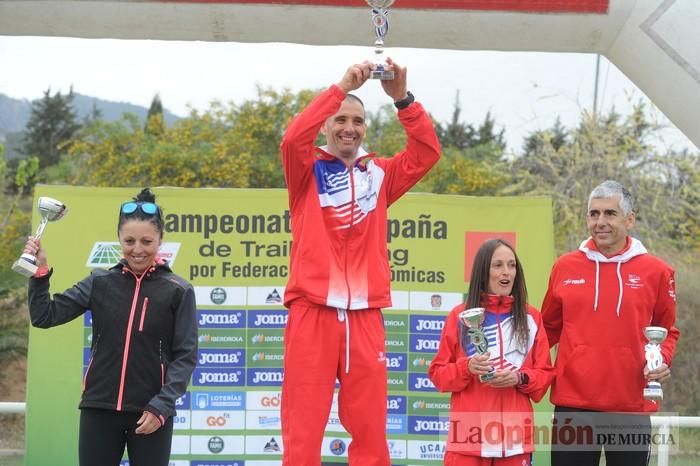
(339, 272)
(600, 299)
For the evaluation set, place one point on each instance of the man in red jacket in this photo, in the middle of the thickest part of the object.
(339, 270)
(600, 299)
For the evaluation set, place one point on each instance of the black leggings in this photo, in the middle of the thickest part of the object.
(104, 433)
(625, 438)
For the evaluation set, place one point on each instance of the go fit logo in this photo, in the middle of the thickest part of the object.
(218, 421)
(267, 400)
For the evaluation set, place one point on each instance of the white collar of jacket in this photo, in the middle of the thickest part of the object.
(635, 249)
(361, 152)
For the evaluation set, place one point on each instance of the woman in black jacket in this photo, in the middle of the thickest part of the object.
(144, 345)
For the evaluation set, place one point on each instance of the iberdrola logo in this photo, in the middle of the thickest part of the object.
(420, 362)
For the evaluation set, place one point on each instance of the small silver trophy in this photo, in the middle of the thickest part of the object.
(50, 211)
(380, 20)
(471, 319)
(652, 353)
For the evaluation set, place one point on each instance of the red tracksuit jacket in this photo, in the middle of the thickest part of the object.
(475, 407)
(339, 214)
(596, 308)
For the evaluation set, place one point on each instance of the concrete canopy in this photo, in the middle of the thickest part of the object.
(652, 41)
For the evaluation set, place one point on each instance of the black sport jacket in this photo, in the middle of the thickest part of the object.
(144, 335)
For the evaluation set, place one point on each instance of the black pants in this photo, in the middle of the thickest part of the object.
(104, 433)
(579, 436)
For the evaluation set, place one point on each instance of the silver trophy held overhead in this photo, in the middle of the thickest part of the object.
(472, 319)
(652, 353)
(50, 211)
(380, 20)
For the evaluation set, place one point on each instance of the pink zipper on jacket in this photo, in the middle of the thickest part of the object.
(127, 345)
(143, 313)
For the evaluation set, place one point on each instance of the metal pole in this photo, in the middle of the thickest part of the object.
(595, 87)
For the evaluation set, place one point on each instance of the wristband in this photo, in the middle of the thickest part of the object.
(524, 379)
(403, 103)
(42, 271)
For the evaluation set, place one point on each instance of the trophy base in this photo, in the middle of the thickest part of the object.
(24, 267)
(653, 393)
(382, 74)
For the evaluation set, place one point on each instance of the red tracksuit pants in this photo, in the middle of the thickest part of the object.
(322, 344)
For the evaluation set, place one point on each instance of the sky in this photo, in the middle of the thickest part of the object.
(524, 91)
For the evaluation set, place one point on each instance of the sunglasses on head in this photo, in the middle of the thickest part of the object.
(147, 208)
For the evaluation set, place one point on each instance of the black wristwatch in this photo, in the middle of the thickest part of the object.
(403, 103)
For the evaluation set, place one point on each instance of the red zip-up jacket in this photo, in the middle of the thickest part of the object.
(596, 308)
(339, 213)
(476, 408)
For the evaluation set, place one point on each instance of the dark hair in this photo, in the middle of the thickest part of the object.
(146, 195)
(479, 284)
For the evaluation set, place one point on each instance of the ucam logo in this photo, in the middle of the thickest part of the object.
(265, 377)
(220, 358)
(427, 425)
(220, 319)
(217, 377)
(427, 324)
(425, 343)
(267, 319)
(396, 361)
(420, 383)
(105, 254)
(425, 450)
(396, 404)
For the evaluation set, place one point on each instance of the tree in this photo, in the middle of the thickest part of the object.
(567, 165)
(224, 146)
(155, 124)
(52, 124)
(472, 161)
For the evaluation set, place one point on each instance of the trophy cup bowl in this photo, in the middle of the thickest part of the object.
(50, 210)
(381, 28)
(652, 353)
(655, 335)
(472, 318)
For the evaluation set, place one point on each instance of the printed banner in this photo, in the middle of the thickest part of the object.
(233, 246)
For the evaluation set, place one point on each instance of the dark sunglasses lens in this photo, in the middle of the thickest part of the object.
(149, 208)
(129, 208)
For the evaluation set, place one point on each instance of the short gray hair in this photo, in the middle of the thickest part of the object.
(610, 188)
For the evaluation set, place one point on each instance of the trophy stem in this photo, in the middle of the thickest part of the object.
(40, 229)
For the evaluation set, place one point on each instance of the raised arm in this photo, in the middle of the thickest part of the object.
(422, 149)
(298, 141)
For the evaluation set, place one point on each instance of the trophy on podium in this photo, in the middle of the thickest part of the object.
(50, 211)
(381, 28)
(652, 353)
(471, 319)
